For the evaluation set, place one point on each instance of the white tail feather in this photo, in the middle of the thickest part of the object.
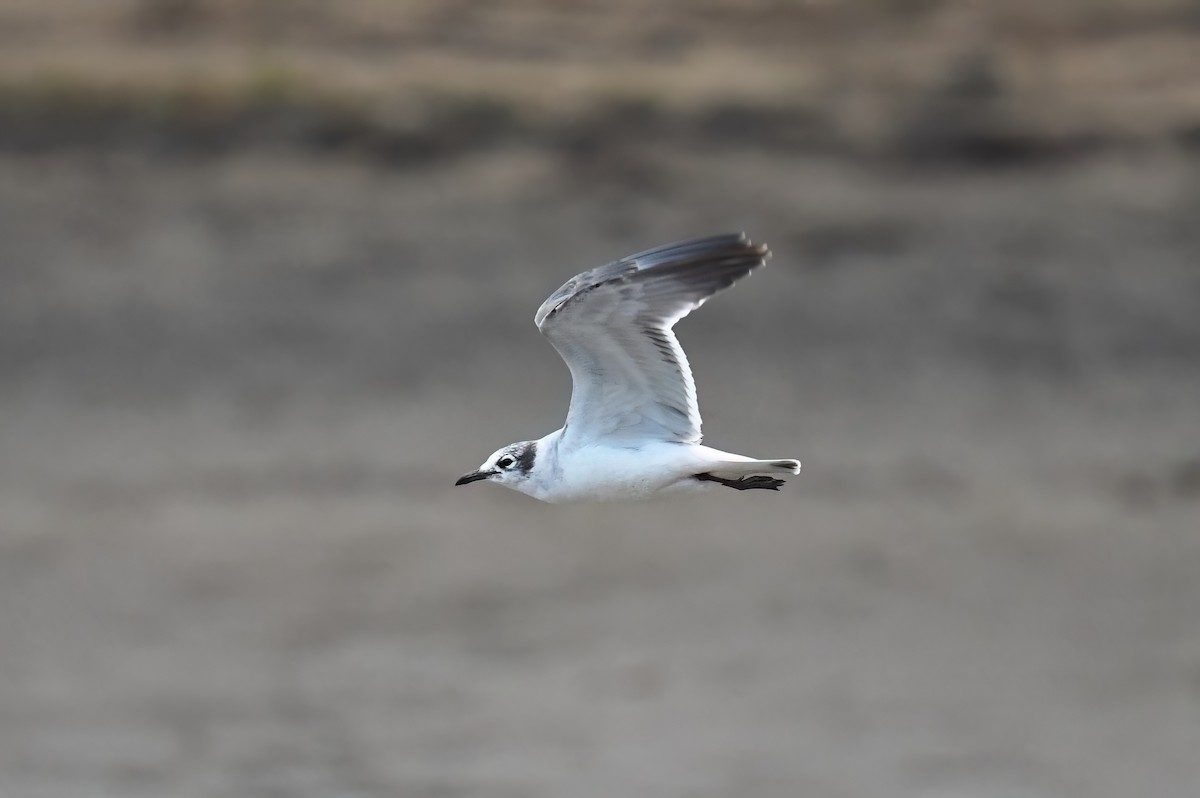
(733, 469)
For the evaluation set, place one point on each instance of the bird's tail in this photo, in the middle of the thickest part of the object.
(733, 469)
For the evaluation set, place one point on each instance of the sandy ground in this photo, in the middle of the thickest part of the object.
(236, 394)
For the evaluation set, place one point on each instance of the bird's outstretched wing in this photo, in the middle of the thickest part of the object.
(612, 326)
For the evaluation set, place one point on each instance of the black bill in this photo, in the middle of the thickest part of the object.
(474, 476)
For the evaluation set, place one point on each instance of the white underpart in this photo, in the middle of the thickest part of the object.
(608, 473)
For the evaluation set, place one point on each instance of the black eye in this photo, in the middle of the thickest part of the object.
(504, 462)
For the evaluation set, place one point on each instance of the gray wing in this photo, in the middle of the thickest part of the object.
(612, 326)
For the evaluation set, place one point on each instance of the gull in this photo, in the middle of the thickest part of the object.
(633, 426)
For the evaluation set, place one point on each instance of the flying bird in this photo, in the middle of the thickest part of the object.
(633, 426)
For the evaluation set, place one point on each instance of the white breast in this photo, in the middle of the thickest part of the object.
(604, 473)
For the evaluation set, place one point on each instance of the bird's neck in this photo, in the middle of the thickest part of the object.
(546, 469)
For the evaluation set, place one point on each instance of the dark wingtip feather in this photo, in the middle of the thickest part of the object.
(730, 256)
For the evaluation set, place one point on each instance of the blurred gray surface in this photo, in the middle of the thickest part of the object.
(236, 393)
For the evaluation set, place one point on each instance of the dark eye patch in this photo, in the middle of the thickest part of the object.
(504, 462)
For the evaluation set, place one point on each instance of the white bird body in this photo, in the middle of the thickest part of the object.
(599, 472)
(633, 427)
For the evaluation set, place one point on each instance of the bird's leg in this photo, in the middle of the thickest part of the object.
(744, 483)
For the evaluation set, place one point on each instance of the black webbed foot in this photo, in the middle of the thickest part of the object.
(757, 482)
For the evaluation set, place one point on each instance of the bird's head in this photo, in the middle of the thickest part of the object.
(509, 466)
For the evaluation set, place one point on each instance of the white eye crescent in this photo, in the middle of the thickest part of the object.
(504, 462)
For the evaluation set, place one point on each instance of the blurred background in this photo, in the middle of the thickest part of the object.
(268, 271)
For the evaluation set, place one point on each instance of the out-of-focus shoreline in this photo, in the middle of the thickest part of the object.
(925, 82)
